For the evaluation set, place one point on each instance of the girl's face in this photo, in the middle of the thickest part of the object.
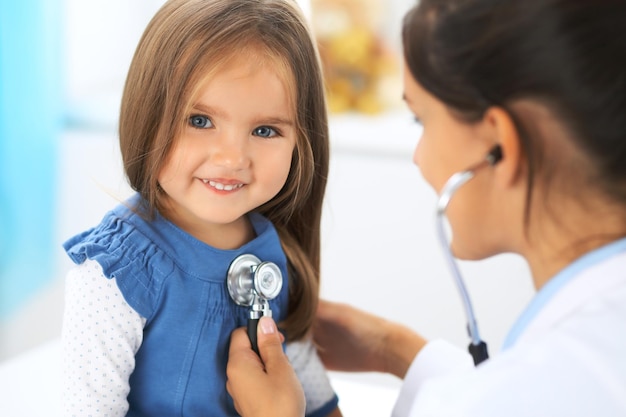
(234, 153)
(448, 146)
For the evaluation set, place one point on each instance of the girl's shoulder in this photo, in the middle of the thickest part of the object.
(127, 248)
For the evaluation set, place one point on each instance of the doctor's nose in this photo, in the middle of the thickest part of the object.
(418, 153)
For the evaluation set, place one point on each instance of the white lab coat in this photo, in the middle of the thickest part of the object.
(566, 355)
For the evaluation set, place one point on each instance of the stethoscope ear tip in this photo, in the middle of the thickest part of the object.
(495, 155)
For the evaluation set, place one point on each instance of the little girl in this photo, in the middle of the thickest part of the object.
(223, 134)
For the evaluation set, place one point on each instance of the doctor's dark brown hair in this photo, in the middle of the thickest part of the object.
(567, 55)
(186, 42)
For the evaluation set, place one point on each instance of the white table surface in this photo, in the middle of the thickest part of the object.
(30, 387)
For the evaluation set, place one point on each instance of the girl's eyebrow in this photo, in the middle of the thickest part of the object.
(207, 109)
(272, 120)
(277, 121)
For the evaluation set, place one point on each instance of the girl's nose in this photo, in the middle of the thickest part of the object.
(230, 152)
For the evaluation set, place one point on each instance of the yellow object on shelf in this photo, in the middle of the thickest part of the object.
(359, 66)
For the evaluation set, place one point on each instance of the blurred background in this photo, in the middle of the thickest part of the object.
(62, 68)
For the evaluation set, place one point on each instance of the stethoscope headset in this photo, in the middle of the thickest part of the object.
(477, 348)
(254, 283)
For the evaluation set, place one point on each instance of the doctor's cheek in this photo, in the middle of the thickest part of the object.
(420, 162)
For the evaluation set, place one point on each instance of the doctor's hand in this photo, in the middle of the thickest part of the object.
(352, 340)
(267, 388)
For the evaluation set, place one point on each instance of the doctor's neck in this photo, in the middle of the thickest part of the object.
(558, 239)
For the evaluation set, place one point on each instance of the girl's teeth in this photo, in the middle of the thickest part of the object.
(224, 187)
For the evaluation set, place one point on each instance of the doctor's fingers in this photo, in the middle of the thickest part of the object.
(244, 367)
(270, 345)
(263, 389)
(285, 391)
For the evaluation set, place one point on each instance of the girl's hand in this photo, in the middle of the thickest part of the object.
(263, 388)
(349, 339)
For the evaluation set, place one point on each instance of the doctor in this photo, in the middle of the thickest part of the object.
(545, 81)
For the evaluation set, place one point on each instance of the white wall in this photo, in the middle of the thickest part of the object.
(100, 39)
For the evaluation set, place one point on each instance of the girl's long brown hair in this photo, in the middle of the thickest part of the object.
(185, 41)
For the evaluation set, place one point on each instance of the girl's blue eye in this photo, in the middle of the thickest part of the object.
(200, 122)
(265, 132)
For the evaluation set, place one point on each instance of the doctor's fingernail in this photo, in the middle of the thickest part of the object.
(267, 325)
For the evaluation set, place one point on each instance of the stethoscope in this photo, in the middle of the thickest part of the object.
(254, 283)
(477, 347)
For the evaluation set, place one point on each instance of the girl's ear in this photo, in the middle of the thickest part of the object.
(503, 131)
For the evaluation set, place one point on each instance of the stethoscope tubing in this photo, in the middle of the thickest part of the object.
(477, 348)
(253, 325)
(451, 186)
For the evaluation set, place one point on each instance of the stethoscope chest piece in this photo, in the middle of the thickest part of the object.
(253, 283)
(249, 278)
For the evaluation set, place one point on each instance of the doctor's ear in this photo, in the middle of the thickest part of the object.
(506, 155)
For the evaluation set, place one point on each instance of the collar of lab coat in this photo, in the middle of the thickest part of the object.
(585, 278)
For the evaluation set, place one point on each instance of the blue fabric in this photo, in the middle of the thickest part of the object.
(554, 285)
(30, 123)
(178, 284)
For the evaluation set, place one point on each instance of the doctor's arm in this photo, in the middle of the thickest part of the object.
(353, 340)
(348, 339)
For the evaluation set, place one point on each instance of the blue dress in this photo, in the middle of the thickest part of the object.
(178, 284)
